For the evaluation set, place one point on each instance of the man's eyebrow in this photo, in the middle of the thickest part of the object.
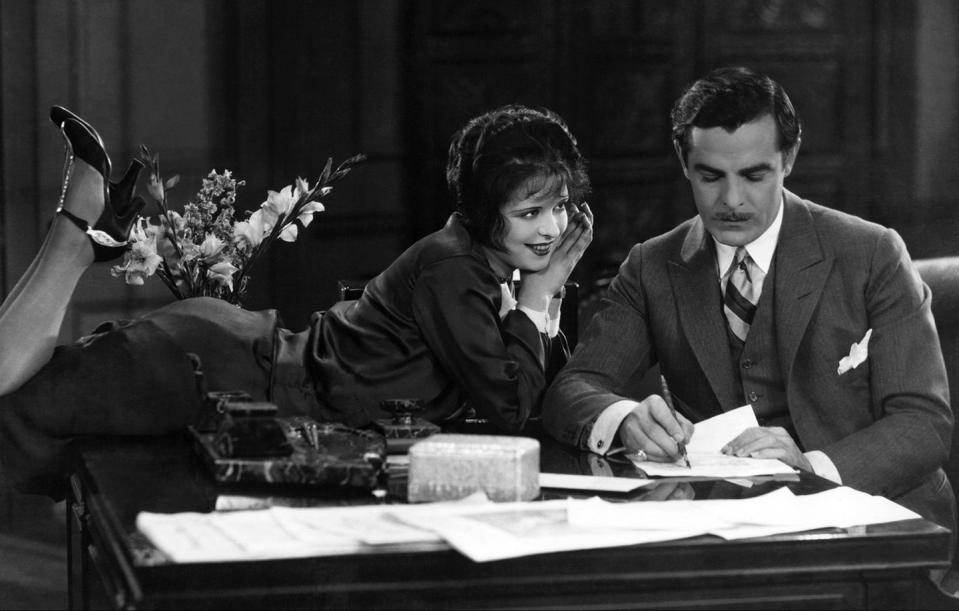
(759, 167)
(702, 167)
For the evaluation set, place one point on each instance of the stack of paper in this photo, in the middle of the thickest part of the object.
(486, 531)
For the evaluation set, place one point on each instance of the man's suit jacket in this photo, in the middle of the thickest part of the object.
(886, 424)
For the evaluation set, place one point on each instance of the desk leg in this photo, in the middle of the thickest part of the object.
(76, 544)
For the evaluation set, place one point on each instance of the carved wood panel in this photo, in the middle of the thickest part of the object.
(616, 67)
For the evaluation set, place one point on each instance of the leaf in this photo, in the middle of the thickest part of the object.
(172, 181)
(325, 175)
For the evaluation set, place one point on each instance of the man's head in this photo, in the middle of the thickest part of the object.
(736, 135)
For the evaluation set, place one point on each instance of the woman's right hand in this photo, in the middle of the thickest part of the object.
(538, 288)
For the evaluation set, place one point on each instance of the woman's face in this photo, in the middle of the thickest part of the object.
(535, 217)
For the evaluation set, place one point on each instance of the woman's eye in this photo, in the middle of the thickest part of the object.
(529, 214)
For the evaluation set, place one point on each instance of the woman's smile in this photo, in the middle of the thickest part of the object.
(542, 249)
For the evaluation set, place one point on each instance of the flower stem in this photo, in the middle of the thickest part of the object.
(171, 236)
(167, 279)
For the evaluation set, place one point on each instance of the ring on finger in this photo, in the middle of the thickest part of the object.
(641, 455)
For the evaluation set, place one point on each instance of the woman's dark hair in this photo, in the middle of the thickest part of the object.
(503, 149)
(731, 97)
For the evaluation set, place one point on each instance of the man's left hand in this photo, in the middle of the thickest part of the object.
(768, 442)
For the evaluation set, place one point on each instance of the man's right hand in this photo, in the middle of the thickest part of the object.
(652, 428)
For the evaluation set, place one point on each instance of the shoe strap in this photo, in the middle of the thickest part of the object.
(76, 220)
(98, 237)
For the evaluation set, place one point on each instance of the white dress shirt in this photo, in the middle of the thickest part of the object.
(546, 322)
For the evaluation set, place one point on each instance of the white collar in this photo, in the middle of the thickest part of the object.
(761, 249)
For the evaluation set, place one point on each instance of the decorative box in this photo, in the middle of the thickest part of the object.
(447, 467)
(313, 453)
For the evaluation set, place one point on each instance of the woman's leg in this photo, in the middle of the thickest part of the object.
(31, 316)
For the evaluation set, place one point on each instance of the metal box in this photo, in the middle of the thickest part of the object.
(447, 467)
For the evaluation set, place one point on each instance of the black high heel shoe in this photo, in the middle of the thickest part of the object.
(111, 231)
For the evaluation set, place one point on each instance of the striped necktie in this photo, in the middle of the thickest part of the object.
(743, 285)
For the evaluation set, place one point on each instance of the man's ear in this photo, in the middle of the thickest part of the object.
(682, 160)
(789, 158)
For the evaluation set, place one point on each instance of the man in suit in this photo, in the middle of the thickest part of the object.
(756, 300)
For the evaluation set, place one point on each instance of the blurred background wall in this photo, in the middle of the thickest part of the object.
(270, 88)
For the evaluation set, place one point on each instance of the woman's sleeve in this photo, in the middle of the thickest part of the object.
(499, 364)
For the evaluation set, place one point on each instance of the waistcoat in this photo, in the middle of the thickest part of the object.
(759, 377)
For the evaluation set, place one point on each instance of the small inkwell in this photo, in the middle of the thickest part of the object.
(214, 408)
(405, 427)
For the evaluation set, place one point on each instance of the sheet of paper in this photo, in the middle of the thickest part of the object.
(597, 483)
(287, 532)
(235, 535)
(777, 512)
(703, 449)
(487, 531)
(511, 530)
(713, 465)
(712, 434)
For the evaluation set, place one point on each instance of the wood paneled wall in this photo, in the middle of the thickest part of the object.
(613, 70)
(271, 88)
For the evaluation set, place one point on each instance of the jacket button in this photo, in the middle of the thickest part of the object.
(753, 396)
(747, 363)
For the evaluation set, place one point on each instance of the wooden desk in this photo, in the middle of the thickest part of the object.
(110, 564)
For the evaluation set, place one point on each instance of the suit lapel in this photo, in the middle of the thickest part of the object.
(696, 291)
(801, 269)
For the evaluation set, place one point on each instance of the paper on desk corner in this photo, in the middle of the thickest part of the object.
(591, 482)
(713, 465)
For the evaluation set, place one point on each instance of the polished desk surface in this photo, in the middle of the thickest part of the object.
(880, 566)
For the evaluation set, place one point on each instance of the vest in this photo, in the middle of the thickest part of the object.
(759, 377)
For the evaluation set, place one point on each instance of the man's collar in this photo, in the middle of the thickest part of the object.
(761, 249)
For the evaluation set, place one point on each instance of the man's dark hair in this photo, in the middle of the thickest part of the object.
(503, 149)
(729, 98)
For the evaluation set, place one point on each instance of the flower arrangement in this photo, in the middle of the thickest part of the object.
(207, 251)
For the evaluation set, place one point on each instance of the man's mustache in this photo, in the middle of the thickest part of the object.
(732, 217)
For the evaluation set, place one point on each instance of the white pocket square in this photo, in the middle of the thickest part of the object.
(858, 352)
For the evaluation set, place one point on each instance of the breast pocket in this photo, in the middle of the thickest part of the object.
(856, 378)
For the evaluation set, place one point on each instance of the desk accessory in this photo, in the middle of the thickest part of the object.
(450, 466)
(254, 445)
(214, 407)
(405, 427)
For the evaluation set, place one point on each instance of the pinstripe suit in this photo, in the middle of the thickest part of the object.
(886, 425)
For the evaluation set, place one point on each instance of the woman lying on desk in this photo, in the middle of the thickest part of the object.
(439, 324)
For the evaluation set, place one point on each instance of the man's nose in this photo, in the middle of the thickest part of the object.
(731, 193)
